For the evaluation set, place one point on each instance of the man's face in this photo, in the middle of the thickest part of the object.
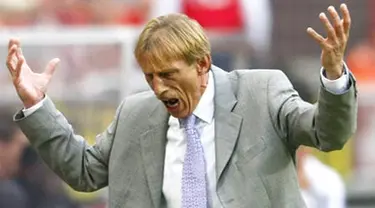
(179, 86)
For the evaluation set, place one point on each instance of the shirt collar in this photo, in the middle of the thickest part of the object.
(205, 108)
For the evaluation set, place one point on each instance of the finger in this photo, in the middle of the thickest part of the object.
(51, 66)
(21, 61)
(330, 30)
(12, 59)
(346, 18)
(13, 41)
(336, 22)
(318, 38)
(19, 53)
(20, 56)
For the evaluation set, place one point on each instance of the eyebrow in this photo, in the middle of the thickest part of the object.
(167, 70)
(164, 71)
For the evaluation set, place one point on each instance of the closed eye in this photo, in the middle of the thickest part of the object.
(166, 74)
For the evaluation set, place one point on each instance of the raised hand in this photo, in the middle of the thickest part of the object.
(334, 45)
(30, 86)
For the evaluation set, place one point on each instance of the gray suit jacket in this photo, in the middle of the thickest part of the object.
(260, 121)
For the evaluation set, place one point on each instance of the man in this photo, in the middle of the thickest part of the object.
(321, 186)
(12, 145)
(202, 137)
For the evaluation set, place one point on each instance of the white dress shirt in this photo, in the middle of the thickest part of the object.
(176, 146)
(176, 141)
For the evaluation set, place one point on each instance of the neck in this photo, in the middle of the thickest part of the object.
(204, 82)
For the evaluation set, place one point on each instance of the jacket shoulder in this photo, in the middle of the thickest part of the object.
(263, 74)
(139, 104)
(255, 78)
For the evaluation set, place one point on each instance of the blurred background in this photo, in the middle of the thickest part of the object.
(95, 41)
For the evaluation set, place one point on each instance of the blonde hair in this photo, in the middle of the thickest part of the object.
(171, 38)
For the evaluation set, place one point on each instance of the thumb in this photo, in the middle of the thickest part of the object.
(51, 66)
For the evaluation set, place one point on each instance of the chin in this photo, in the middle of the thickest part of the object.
(180, 114)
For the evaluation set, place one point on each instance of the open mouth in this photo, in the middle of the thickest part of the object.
(171, 103)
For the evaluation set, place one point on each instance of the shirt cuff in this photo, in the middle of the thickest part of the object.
(32, 109)
(337, 86)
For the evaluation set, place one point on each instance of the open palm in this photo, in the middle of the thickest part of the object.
(334, 45)
(30, 86)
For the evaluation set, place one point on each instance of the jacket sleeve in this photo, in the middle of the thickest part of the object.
(83, 167)
(326, 125)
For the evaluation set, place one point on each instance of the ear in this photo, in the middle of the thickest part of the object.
(204, 65)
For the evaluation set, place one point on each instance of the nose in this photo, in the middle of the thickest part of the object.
(158, 86)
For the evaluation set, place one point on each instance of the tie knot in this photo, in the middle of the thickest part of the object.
(189, 121)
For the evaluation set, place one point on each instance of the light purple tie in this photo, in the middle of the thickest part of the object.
(194, 184)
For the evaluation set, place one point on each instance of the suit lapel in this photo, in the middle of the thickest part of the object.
(153, 144)
(227, 123)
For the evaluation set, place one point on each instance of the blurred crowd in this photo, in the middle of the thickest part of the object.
(25, 181)
(72, 12)
(258, 33)
(227, 17)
